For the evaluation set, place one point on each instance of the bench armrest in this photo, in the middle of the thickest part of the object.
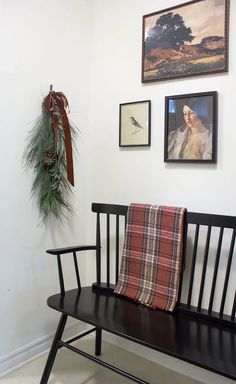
(60, 251)
(77, 248)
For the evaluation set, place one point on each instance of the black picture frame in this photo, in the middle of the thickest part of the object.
(175, 46)
(135, 124)
(191, 128)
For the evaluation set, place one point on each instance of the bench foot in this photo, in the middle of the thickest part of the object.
(53, 350)
(98, 342)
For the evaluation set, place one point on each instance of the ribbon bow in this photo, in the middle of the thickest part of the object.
(57, 103)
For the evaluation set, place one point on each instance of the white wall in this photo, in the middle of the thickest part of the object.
(140, 175)
(41, 42)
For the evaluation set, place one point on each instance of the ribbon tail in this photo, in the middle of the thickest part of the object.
(55, 128)
(68, 147)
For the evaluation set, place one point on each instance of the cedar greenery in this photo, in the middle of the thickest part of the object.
(50, 188)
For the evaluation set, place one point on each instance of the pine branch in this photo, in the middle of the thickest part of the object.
(50, 187)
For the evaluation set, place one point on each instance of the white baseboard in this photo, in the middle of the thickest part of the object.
(23, 355)
(184, 368)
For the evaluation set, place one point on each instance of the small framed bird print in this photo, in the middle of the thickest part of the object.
(134, 124)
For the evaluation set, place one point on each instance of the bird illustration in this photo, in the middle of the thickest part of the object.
(136, 125)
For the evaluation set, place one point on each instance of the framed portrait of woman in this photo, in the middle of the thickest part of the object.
(191, 128)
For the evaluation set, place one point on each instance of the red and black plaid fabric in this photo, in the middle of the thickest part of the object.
(152, 255)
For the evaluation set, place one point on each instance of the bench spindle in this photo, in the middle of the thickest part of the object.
(226, 282)
(108, 249)
(77, 271)
(117, 246)
(233, 308)
(183, 263)
(216, 267)
(194, 255)
(60, 273)
(199, 306)
(98, 252)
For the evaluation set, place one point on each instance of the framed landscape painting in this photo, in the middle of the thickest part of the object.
(186, 40)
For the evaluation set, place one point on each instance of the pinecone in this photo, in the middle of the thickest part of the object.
(49, 158)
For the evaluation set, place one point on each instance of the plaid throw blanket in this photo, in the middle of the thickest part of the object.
(152, 255)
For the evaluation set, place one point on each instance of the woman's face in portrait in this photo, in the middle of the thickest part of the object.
(190, 116)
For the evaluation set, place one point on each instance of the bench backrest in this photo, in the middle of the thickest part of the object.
(207, 285)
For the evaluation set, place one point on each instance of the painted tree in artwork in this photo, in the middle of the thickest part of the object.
(170, 31)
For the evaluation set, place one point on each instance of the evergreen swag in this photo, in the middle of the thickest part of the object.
(49, 153)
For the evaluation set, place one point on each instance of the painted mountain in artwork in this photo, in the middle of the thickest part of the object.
(207, 56)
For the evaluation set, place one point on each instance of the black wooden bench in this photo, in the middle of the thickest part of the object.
(202, 329)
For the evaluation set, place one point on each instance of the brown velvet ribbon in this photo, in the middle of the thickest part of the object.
(57, 103)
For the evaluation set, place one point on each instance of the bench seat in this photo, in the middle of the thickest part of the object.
(193, 339)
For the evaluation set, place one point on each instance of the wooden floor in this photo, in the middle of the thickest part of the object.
(70, 368)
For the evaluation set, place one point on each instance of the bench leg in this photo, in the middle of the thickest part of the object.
(98, 342)
(53, 350)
